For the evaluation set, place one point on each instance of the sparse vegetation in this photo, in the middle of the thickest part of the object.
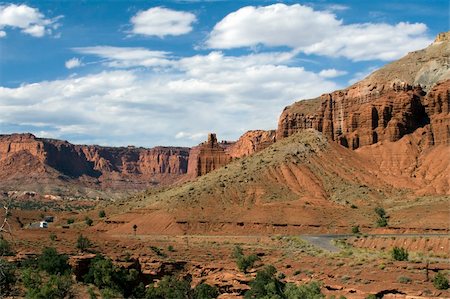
(53, 237)
(266, 285)
(399, 254)
(440, 281)
(382, 220)
(404, 279)
(244, 262)
(7, 277)
(5, 247)
(83, 243)
(88, 221)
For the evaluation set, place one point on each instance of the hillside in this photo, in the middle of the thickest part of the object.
(384, 141)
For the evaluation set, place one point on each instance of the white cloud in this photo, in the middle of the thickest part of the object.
(331, 73)
(171, 103)
(160, 21)
(337, 7)
(126, 56)
(73, 63)
(316, 32)
(28, 19)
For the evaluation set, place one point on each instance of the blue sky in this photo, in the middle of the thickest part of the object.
(167, 72)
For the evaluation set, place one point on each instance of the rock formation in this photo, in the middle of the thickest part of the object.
(26, 154)
(394, 101)
(251, 142)
(207, 156)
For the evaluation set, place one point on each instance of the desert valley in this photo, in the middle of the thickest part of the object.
(348, 197)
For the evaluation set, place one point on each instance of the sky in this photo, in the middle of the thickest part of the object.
(150, 73)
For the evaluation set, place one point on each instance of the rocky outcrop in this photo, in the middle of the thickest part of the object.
(392, 102)
(251, 142)
(207, 157)
(211, 155)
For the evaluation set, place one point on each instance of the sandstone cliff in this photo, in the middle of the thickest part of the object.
(207, 157)
(26, 156)
(394, 101)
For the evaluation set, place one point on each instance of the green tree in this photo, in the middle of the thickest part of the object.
(265, 285)
(170, 288)
(205, 291)
(355, 229)
(102, 214)
(52, 262)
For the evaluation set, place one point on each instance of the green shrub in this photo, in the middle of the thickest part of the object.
(382, 222)
(158, 251)
(53, 237)
(170, 248)
(5, 248)
(380, 212)
(399, 254)
(83, 243)
(170, 287)
(7, 277)
(56, 287)
(382, 217)
(70, 220)
(404, 279)
(355, 229)
(102, 214)
(307, 291)
(440, 281)
(265, 285)
(111, 279)
(244, 262)
(52, 262)
(88, 221)
(205, 291)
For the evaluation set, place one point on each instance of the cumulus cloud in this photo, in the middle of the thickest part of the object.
(166, 104)
(73, 63)
(331, 73)
(30, 20)
(160, 21)
(316, 32)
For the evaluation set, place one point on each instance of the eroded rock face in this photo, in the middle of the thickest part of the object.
(207, 156)
(90, 160)
(251, 142)
(211, 155)
(390, 103)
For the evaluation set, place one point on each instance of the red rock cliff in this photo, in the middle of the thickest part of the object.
(207, 156)
(95, 161)
(410, 93)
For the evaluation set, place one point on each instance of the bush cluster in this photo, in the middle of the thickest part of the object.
(399, 254)
(244, 262)
(382, 220)
(267, 285)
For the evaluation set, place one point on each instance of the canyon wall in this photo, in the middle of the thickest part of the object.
(394, 101)
(93, 161)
